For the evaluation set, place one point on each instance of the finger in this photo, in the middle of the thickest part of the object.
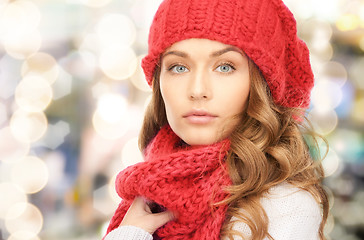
(159, 219)
(137, 207)
(138, 203)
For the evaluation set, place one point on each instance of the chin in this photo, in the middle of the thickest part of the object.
(197, 142)
(198, 136)
(199, 139)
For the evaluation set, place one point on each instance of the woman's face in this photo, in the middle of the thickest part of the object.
(205, 86)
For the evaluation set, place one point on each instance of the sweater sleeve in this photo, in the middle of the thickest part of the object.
(128, 233)
(293, 214)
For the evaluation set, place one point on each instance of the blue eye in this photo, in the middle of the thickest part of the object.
(225, 68)
(178, 69)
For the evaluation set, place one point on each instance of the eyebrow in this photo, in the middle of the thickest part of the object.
(212, 55)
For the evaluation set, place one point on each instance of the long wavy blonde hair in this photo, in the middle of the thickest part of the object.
(267, 148)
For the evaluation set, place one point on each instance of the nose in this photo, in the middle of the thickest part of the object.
(200, 86)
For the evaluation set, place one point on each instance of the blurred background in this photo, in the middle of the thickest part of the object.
(72, 98)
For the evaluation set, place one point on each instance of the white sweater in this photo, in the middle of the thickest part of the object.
(292, 212)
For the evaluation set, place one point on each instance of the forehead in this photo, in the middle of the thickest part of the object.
(196, 46)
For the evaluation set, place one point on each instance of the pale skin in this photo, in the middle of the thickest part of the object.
(204, 85)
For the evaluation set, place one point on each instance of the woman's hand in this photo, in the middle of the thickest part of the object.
(140, 215)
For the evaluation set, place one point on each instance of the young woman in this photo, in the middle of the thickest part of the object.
(225, 154)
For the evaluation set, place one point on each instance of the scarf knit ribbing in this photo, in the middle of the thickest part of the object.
(186, 180)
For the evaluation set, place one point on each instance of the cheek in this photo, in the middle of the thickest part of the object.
(236, 101)
(171, 100)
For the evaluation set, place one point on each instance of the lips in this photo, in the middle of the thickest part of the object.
(199, 117)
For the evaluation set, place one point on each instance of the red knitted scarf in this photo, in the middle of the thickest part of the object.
(187, 180)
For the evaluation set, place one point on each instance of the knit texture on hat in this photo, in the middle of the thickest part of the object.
(264, 29)
(186, 180)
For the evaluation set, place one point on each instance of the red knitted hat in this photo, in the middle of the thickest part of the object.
(264, 29)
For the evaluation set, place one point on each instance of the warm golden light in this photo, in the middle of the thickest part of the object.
(10, 194)
(24, 217)
(28, 126)
(41, 64)
(11, 149)
(30, 173)
(361, 15)
(33, 94)
(358, 110)
(348, 22)
(118, 63)
(361, 43)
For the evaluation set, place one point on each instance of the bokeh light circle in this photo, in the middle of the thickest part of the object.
(324, 53)
(110, 119)
(326, 95)
(21, 47)
(11, 149)
(112, 107)
(361, 44)
(348, 22)
(23, 235)
(334, 72)
(331, 163)
(130, 153)
(107, 130)
(138, 78)
(24, 217)
(33, 94)
(317, 34)
(357, 72)
(118, 62)
(115, 29)
(30, 173)
(10, 194)
(28, 126)
(41, 64)
(358, 111)
(315, 29)
(113, 194)
(324, 122)
(19, 17)
(329, 226)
